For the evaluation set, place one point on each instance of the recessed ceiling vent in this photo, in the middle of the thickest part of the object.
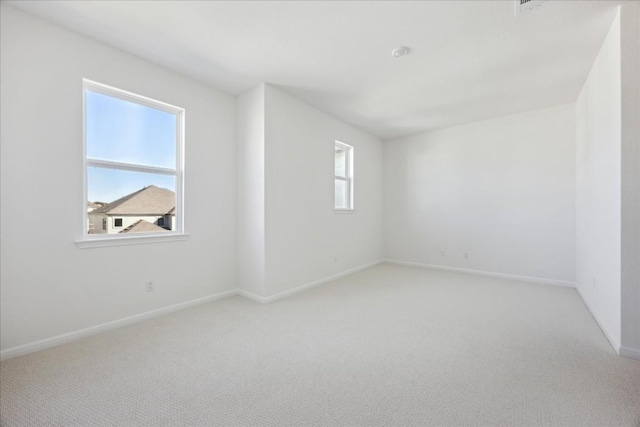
(528, 6)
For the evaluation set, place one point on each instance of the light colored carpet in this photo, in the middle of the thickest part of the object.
(388, 346)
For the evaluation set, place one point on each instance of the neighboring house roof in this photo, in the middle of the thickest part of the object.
(142, 226)
(150, 200)
(92, 206)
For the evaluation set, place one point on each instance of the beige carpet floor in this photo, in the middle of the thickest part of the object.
(389, 346)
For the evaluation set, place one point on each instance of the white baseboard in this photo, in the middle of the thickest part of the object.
(298, 289)
(315, 283)
(93, 330)
(615, 344)
(622, 351)
(251, 296)
(631, 353)
(529, 279)
(75, 335)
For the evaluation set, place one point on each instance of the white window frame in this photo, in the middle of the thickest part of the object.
(348, 178)
(96, 240)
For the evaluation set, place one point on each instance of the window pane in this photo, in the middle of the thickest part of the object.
(124, 131)
(341, 194)
(129, 202)
(341, 163)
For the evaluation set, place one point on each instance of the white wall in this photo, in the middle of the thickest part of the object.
(304, 235)
(500, 190)
(630, 171)
(49, 285)
(251, 186)
(598, 132)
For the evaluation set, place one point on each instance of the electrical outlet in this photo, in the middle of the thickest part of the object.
(150, 286)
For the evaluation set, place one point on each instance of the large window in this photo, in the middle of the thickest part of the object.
(133, 164)
(343, 176)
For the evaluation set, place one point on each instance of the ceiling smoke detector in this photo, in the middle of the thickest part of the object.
(399, 52)
(526, 6)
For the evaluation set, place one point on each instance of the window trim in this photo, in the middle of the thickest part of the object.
(97, 240)
(348, 178)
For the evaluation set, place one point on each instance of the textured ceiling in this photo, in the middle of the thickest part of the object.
(470, 60)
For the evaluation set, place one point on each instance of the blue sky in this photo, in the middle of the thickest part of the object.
(126, 132)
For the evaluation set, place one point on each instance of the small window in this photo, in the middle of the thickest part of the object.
(343, 199)
(160, 222)
(133, 161)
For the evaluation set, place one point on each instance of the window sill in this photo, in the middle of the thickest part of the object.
(129, 240)
(344, 211)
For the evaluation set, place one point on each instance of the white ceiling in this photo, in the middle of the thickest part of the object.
(470, 60)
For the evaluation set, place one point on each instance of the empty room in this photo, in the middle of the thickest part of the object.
(320, 213)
